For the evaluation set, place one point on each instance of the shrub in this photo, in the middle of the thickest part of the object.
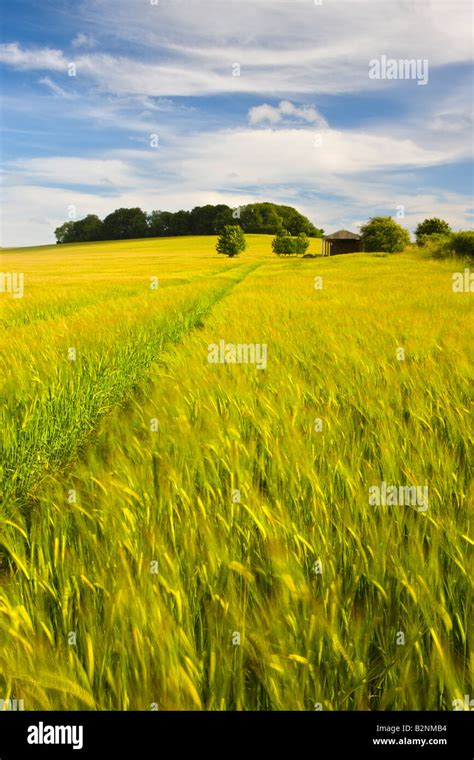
(231, 241)
(455, 245)
(436, 246)
(433, 226)
(285, 245)
(382, 233)
(463, 244)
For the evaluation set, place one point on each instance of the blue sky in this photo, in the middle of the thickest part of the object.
(302, 123)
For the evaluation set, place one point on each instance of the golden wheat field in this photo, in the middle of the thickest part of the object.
(180, 533)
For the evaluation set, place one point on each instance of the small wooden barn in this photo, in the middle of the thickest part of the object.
(341, 241)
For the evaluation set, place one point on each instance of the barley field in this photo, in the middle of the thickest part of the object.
(177, 534)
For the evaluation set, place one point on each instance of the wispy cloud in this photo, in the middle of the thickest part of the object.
(84, 41)
(281, 48)
(55, 88)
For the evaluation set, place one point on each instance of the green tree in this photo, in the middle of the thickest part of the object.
(223, 217)
(257, 218)
(251, 218)
(284, 244)
(161, 223)
(65, 233)
(156, 226)
(382, 233)
(207, 220)
(301, 243)
(179, 224)
(295, 222)
(280, 242)
(81, 231)
(125, 223)
(88, 229)
(433, 226)
(269, 218)
(231, 241)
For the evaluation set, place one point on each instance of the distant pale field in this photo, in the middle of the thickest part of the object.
(178, 534)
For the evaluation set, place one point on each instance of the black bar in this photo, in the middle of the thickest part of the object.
(142, 734)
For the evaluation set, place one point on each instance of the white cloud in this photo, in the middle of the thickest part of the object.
(285, 111)
(302, 156)
(283, 49)
(70, 171)
(278, 31)
(34, 58)
(84, 40)
(345, 175)
(264, 114)
(55, 88)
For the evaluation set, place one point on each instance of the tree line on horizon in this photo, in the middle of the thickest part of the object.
(126, 223)
(380, 233)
